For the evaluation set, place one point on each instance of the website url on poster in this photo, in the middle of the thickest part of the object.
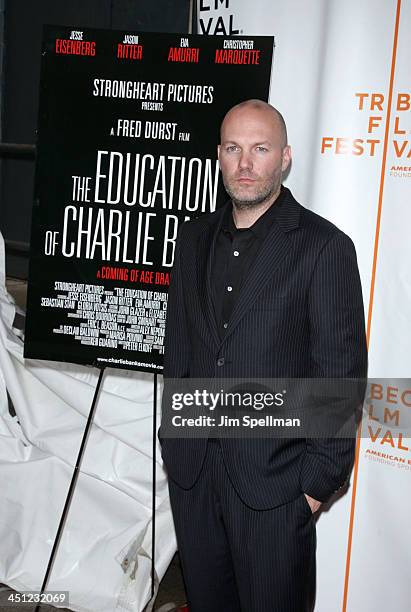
(127, 362)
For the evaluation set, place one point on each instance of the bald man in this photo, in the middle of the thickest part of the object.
(262, 288)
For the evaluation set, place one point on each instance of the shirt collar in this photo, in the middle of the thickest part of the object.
(261, 227)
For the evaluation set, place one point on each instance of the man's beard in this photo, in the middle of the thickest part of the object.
(263, 195)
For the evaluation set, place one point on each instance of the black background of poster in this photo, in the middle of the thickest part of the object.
(74, 125)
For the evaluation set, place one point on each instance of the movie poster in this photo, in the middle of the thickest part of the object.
(127, 150)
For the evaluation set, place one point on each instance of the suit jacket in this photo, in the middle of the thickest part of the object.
(299, 314)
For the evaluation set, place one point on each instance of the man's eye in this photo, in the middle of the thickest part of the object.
(261, 148)
(231, 148)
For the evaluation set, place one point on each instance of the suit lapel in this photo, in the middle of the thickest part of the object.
(205, 258)
(274, 249)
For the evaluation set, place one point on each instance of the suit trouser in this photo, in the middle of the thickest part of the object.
(235, 558)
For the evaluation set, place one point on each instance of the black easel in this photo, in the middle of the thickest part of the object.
(153, 503)
(74, 482)
(72, 487)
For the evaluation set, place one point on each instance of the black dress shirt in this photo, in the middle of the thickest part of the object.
(235, 251)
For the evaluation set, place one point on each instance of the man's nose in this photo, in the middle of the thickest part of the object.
(245, 161)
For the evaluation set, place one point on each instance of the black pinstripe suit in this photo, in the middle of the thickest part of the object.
(299, 314)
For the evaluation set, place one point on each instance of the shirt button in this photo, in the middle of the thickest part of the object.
(236, 253)
(229, 288)
(225, 325)
(220, 361)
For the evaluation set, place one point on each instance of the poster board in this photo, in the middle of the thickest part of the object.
(127, 150)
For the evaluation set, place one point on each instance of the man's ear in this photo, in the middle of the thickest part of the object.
(286, 158)
(218, 151)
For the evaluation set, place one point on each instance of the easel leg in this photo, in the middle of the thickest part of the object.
(153, 520)
(72, 487)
